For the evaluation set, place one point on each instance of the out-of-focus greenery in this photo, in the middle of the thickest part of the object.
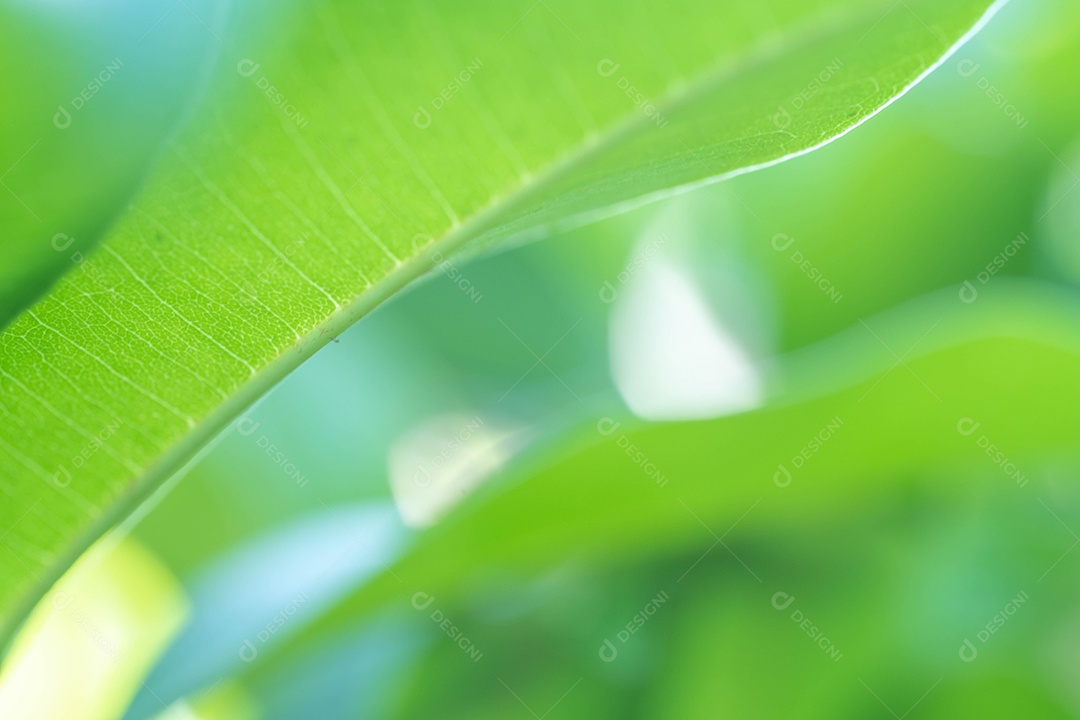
(93, 96)
(462, 454)
(338, 153)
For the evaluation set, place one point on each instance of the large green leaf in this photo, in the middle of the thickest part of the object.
(858, 424)
(343, 153)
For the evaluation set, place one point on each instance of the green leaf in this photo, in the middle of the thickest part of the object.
(347, 151)
(618, 491)
(106, 83)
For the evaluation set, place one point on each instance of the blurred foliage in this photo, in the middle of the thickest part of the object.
(75, 154)
(311, 162)
(897, 542)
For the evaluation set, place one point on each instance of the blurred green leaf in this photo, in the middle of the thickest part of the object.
(849, 207)
(617, 490)
(98, 88)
